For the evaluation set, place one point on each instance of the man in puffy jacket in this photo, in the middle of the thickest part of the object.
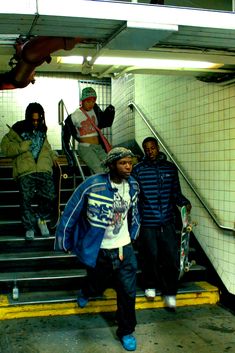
(82, 125)
(26, 143)
(98, 224)
(160, 193)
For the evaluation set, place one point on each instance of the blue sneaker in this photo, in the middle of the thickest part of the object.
(82, 300)
(128, 342)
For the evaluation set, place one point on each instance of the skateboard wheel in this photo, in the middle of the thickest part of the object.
(65, 176)
(189, 228)
(193, 262)
(186, 269)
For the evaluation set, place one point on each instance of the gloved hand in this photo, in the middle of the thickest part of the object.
(24, 145)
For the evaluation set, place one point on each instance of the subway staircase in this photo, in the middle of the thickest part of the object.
(37, 281)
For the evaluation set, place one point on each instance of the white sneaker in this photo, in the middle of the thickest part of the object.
(43, 228)
(170, 301)
(150, 293)
(29, 235)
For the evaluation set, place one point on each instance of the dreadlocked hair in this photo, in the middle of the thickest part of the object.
(35, 108)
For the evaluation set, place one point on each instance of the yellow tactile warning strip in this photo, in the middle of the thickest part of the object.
(207, 295)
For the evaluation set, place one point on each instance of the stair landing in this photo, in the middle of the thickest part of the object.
(62, 303)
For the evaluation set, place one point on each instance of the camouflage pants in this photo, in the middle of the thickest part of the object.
(37, 198)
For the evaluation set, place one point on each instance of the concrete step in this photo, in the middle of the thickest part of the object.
(64, 303)
(48, 274)
(65, 273)
(34, 255)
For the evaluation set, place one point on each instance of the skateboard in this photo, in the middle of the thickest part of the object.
(57, 177)
(187, 227)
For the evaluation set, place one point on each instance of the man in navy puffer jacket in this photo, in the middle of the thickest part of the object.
(160, 193)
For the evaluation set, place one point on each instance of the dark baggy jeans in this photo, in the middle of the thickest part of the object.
(36, 188)
(123, 274)
(158, 247)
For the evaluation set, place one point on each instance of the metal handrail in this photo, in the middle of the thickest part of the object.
(132, 105)
(61, 109)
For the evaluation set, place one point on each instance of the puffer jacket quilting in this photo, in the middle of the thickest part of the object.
(23, 161)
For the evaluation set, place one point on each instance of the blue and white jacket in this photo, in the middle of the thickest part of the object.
(160, 191)
(87, 214)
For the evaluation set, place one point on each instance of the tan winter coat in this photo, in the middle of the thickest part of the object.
(14, 147)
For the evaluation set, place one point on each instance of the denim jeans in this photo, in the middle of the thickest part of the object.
(123, 276)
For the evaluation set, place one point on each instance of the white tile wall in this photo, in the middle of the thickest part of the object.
(48, 91)
(122, 94)
(196, 120)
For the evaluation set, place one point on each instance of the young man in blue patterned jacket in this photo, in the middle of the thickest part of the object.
(160, 193)
(98, 224)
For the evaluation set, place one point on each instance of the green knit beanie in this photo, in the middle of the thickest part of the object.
(87, 93)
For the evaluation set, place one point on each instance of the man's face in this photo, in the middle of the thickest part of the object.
(151, 150)
(88, 103)
(35, 120)
(123, 168)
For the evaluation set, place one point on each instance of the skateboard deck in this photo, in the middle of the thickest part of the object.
(187, 226)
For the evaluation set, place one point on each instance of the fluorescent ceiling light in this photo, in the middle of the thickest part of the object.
(156, 63)
(142, 62)
(70, 60)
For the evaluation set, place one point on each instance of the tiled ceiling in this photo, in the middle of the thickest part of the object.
(124, 29)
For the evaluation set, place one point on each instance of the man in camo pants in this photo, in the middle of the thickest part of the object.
(26, 143)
